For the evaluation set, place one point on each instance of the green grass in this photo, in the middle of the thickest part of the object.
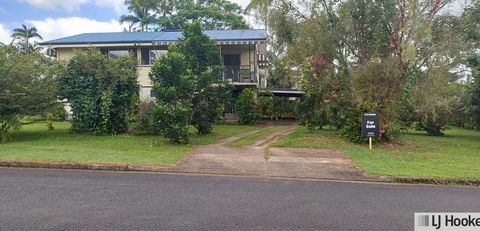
(35, 143)
(455, 155)
(255, 136)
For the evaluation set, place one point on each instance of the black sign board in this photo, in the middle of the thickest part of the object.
(370, 124)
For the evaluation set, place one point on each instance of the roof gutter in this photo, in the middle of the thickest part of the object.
(153, 43)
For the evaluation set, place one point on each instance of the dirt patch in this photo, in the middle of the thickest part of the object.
(281, 162)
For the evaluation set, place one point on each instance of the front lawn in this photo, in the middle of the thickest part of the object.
(455, 155)
(35, 143)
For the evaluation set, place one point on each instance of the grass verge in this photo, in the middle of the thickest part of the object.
(35, 143)
(455, 155)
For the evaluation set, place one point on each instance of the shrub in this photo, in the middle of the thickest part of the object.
(49, 119)
(315, 83)
(172, 122)
(246, 107)
(172, 88)
(378, 87)
(265, 106)
(26, 87)
(143, 119)
(100, 91)
(59, 112)
(188, 86)
(434, 96)
(352, 131)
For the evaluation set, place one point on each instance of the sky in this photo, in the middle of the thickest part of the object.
(60, 18)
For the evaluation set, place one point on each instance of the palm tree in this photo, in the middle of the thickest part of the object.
(132, 20)
(24, 33)
(141, 12)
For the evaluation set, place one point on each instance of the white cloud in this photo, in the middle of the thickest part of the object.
(117, 5)
(67, 5)
(4, 35)
(54, 28)
(75, 5)
(243, 3)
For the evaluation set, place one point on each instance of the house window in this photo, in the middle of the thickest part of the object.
(113, 54)
(149, 56)
(156, 54)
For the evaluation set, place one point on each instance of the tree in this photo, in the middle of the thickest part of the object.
(204, 62)
(246, 107)
(378, 87)
(141, 13)
(26, 87)
(414, 37)
(25, 34)
(188, 86)
(211, 14)
(100, 91)
(434, 97)
(472, 108)
(173, 88)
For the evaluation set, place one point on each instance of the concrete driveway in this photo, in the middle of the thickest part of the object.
(259, 159)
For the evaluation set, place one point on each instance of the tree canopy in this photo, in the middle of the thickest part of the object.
(24, 34)
(101, 91)
(407, 45)
(148, 15)
(188, 86)
(27, 86)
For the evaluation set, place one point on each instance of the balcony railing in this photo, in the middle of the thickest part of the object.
(239, 74)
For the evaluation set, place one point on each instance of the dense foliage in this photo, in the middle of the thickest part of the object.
(100, 91)
(188, 86)
(246, 107)
(472, 106)
(27, 86)
(148, 15)
(407, 60)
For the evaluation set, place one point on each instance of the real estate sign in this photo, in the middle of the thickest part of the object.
(370, 124)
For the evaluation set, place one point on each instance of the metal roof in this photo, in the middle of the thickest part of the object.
(156, 37)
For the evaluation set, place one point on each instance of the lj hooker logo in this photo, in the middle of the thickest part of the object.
(447, 221)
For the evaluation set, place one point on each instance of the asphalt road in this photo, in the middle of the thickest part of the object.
(83, 200)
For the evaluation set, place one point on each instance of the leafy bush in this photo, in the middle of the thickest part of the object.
(311, 112)
(204, 65)
(59, 112)
(352, 131)
(50, 118)
(26, 87)
(378, 87)
(143, 119)
(172, 122)
(246, 107)
(284, 108)
(172, 88)
(100, 91)
(434, 96)
(315, 83)
(188, 86)
(265, 106)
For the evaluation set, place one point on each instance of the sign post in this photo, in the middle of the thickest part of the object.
(370, 127)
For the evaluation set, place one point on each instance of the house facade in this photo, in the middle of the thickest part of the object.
(243, 52)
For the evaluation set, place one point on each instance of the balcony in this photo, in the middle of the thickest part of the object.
(239, 75)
